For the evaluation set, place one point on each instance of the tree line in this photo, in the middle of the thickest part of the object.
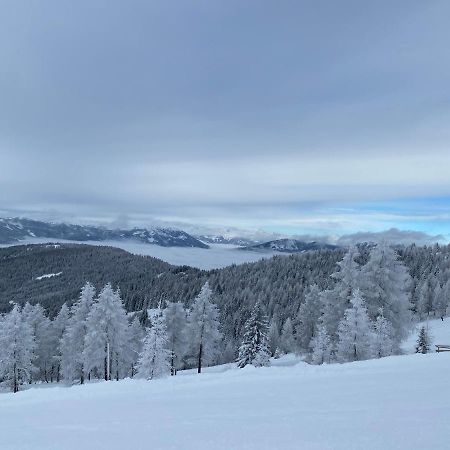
(362, 309)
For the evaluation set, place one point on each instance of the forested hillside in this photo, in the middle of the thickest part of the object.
(23, 271)
(54, 274)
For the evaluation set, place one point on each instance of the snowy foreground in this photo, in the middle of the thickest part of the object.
(400, 402)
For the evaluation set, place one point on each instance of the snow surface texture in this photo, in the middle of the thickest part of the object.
(215, 257)
(399, 402)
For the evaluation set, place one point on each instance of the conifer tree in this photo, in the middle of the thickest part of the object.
(154, 361)
(423, 341)
(40, 324)
(137, 335)
(202, 330)
(287, 339)
(17, 346)
(383, 344)
(354, 331)
(254, 348)
(337, 299)
(385, 285)
(308, 318)
(175, 321)
(321, 347)
(273, 336)
(72, 341)
(58, 326)
(107, 340)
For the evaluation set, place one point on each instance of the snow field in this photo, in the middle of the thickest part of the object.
(399, 402)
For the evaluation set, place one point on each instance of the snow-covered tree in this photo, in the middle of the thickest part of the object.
(287, 339)
(273, 336)
(386, 282)
(202, 331)
(440, 300)
(382, 337)
(17, 346)
(308, 318)
(72, 342)
(40, 324)
(228, 354)
(154, 361)
(321, 347)
(423, 341)
(254, 348)
(175, 319)
(137, 334)
(336, 300)
(354, 331)
(58, 326)
(445, 298)
(107, 340)
(426, 302)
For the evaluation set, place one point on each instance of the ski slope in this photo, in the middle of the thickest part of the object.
(400, 402)
(438, 330)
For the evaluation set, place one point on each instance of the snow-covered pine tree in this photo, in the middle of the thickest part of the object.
(439, 300)
(423, 341)
(154, 361)
(202, 330)
(308, 318)
(426, 296)
(58, 326)
(337, 299)
(287, 338)
(382, 337)
(17, 346)
(137, 334)
(321, 347)
(175, 319)
(445, 295)
(36, 317)
(107, 340)
(72, 341)
(254, 347)
(273, 336)
(385, 285)
(354, 332)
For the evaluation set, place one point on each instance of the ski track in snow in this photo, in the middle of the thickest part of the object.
(399, 402)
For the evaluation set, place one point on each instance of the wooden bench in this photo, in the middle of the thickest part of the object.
(442, 348)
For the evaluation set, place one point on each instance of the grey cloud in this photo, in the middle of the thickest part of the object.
(221, 111)
(394, 236)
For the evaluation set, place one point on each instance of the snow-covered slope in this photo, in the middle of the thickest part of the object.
(438, 330)
(398, 402)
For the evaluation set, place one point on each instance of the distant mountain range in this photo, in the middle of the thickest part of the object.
(290, 246)
(14, 230)
(238, 241)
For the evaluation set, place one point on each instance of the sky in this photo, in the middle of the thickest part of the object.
(316, 117)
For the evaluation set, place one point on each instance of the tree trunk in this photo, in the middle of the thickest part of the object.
(200, 355)
(15, 381)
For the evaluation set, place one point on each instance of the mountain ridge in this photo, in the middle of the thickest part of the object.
(14, 230)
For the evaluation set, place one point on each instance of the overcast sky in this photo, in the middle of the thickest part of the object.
(294, 116)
